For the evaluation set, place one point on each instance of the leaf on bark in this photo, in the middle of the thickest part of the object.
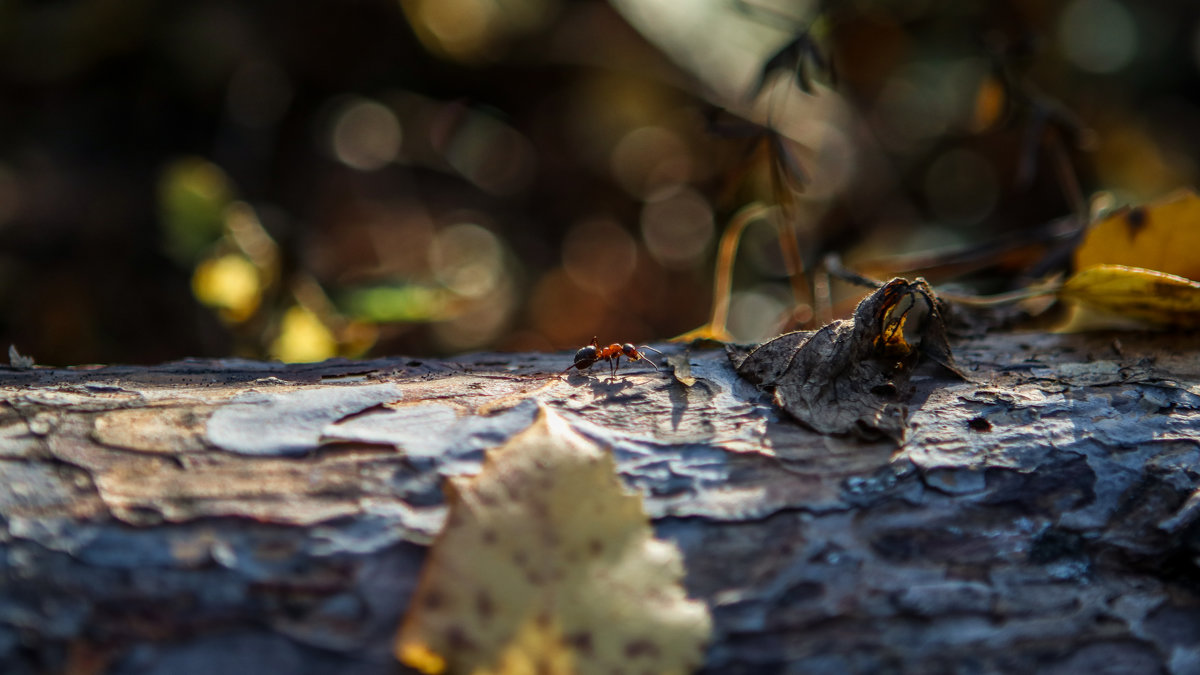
(1160, 236)
(681, 368)
(1115, 296)
(548, 565)
(850, 376)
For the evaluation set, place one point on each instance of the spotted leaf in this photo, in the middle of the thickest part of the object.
(548, 565)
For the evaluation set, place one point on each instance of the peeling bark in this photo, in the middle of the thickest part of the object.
(241, 517)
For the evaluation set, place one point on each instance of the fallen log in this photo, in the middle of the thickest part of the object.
(244, 517)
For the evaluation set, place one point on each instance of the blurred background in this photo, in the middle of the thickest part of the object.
(307, 179)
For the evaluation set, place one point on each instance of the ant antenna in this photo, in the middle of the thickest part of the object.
(646, 359)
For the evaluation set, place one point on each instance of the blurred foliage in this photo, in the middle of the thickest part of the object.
(308, 179)
(193, 195)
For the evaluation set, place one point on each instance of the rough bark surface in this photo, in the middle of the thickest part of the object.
(240, 517)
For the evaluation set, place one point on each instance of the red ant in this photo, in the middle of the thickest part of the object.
(586, 356)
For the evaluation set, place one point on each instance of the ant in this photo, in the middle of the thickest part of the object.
(587, 356)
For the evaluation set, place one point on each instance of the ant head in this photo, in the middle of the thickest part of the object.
(630, 351)
(585, 357)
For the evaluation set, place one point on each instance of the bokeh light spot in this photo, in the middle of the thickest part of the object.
(1098, 36)
(478, 324)
(474, 30)
(756, 314)
(491, 154)
(467, 259)
(650, 159)
(246, 231)
(598, 251)
(601, 110)
(833, 158)
(678, 229)
(366, 135)
(458, 27)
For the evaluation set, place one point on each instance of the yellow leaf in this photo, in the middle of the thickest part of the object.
(1162, 236)
(1139, 296)
(303, 338)
(229, 283)
(547, 565)
(418, 656)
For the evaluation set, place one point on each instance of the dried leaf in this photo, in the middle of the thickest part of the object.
(1162, 236)
(547, 565)
(18, 360)
(847, 376)
(1119, 296)
(681, 368)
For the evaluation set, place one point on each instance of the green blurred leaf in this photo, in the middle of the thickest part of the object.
(193, 194)
(412, 303)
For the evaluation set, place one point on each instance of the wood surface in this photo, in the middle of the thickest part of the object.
(242, 517)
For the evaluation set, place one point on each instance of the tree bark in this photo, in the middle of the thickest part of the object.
(241, 517)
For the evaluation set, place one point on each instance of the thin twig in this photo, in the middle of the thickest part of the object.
(726, 254)
(833, 264)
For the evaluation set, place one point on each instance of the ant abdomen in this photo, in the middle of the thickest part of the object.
(585, 357)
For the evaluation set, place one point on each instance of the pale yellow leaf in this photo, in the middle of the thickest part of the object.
(1115, 296)
(548, 565)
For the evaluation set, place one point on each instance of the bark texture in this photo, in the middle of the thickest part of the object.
(240, 517)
